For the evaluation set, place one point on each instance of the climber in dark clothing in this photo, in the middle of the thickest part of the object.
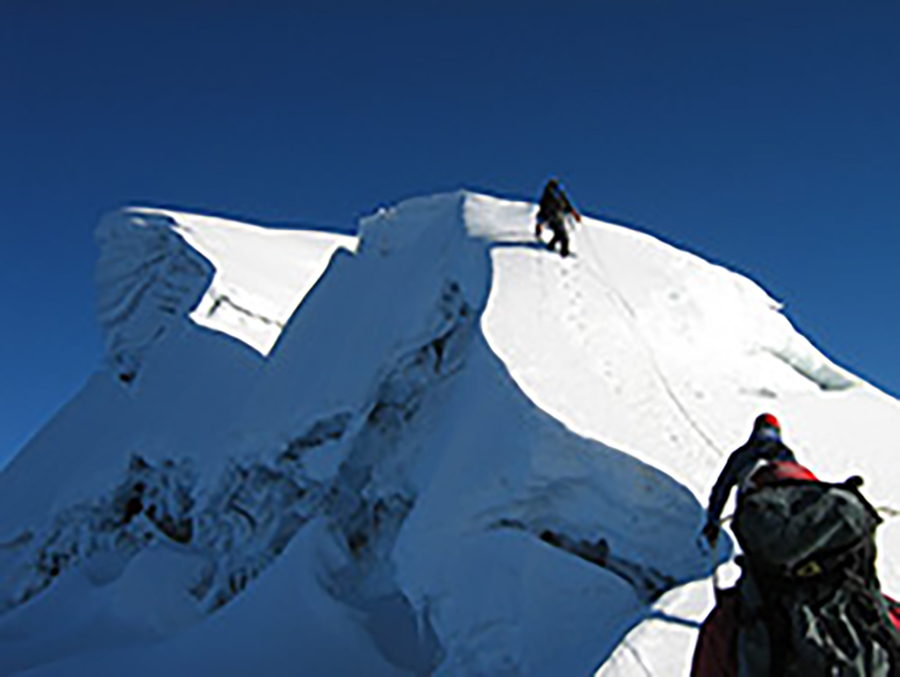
(553, 210)
(764, 446)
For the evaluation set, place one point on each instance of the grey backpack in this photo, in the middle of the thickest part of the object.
(810, 601)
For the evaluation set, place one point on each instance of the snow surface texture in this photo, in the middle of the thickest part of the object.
(436, 448)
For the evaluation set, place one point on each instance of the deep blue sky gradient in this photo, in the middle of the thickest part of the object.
(761, 135)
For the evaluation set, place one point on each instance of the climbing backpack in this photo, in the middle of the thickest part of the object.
(809, 601)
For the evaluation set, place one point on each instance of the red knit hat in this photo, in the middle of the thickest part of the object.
(766, 421)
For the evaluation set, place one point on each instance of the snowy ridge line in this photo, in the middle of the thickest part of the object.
(256, 275)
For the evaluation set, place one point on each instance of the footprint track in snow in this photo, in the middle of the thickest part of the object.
(572, 284)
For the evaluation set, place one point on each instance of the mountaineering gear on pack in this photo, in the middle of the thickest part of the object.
(808, 601)
(764, 446)
(552, 210)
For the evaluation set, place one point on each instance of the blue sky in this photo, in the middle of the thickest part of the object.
(760, 135)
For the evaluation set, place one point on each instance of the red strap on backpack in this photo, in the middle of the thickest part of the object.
(893, 611)
(780, 471)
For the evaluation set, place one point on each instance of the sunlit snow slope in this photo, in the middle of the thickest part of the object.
(436, 448)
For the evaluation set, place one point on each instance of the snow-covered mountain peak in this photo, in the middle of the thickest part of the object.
(435, 448)
(159, 266)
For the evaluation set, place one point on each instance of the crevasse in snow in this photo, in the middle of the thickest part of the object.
(436, 448)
